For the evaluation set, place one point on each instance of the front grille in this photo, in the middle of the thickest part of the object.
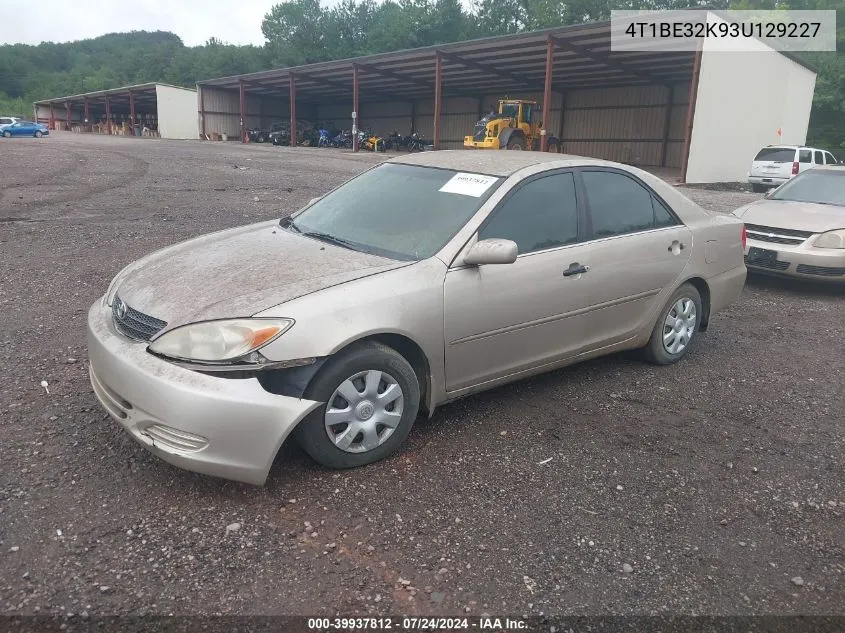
(132, 323)
(825, 271)
(776, 235)
(766, 263)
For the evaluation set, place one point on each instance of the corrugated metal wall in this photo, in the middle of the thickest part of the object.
(625, 124)
(621, 124)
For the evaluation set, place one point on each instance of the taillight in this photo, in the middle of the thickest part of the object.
(795, 168)
(743, 237)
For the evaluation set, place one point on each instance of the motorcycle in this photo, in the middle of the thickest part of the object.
(417, 143)
(343, 139)
(324, 138)
(370, 142)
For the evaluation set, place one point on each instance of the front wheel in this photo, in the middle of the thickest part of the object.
(516, 144)
(676, 327)
(38, 134)
(371, 397)
(7, 134)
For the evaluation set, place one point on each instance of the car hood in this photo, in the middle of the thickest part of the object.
(239, 272)
(799, 216)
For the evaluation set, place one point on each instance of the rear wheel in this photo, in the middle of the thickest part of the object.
(371, 396)
(676, 327)
(759, 188)
(516, 143)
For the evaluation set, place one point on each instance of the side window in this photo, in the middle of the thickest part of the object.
(619, 205)
(817, 158)
(805, 156)
(541, 214)
(830, 160)
(662, 217)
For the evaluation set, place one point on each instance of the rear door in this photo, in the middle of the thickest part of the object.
(638, 249)
(773, 162)
(818, 157)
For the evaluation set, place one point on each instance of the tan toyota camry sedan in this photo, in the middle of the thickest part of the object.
(424, 279)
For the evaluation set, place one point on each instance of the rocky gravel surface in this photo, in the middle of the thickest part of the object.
(714, 486)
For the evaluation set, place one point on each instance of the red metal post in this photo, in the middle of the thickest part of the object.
(438, 71)
(667, 123)
(202, 112)
(292, 110)
(547, 95)
(132, 111)
(693, 96)
(355, 113)
(108, 115)
(52, 117)
(244, 137)
(87, 112)
(67, 115)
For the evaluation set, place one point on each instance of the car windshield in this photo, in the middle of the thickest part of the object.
(814, 185)
(776, 154)
(398, 211)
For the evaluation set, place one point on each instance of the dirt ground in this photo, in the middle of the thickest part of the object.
(715, 486)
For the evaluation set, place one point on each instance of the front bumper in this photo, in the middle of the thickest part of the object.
(802, 261)
(490, 142)
(230, 428)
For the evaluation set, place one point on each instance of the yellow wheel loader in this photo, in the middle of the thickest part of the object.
(512, 127)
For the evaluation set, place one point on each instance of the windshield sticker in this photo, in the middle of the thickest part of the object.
(468, 184)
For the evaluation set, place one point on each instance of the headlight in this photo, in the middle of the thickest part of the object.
(831, 239)
(219, 341)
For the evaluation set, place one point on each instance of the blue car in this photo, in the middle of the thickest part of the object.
(26, 128)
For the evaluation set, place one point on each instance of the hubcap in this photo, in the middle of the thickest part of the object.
(679, 326)
(364, 411)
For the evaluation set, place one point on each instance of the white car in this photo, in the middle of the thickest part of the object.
(776, 164)
(7, 120)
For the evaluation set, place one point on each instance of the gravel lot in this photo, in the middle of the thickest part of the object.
(715, 486)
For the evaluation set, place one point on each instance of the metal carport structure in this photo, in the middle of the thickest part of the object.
(151, 105)
(632, 106)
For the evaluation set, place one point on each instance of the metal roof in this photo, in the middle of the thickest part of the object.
(502, 64)
(143, 94)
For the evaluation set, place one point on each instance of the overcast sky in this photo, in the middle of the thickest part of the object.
(233, 21)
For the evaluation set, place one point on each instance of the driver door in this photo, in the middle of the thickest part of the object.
(500, 319)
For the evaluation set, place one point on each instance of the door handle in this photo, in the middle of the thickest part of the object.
(676, 247)
(575, 269)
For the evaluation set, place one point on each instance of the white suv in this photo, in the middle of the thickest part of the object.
(7, 120)
(776, 164)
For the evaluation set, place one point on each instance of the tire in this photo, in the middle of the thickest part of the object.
(661, 353)
(759, 188)
(554, 147)
(260, 139)
(7, 134)
(351, 369)
(38, 134)
(516, 143)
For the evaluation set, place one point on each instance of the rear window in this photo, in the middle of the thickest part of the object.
(776, 154)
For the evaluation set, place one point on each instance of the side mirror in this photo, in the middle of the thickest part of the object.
(492, 251)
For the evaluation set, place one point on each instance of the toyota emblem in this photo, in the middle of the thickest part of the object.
(120, 308)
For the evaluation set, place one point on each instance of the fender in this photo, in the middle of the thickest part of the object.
(505, 135)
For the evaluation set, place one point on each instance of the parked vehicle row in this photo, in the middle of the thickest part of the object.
(325, 135)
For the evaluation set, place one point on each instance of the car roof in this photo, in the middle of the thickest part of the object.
(792, 147)
(493, 162)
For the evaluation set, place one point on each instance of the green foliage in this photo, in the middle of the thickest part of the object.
(305, 31)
